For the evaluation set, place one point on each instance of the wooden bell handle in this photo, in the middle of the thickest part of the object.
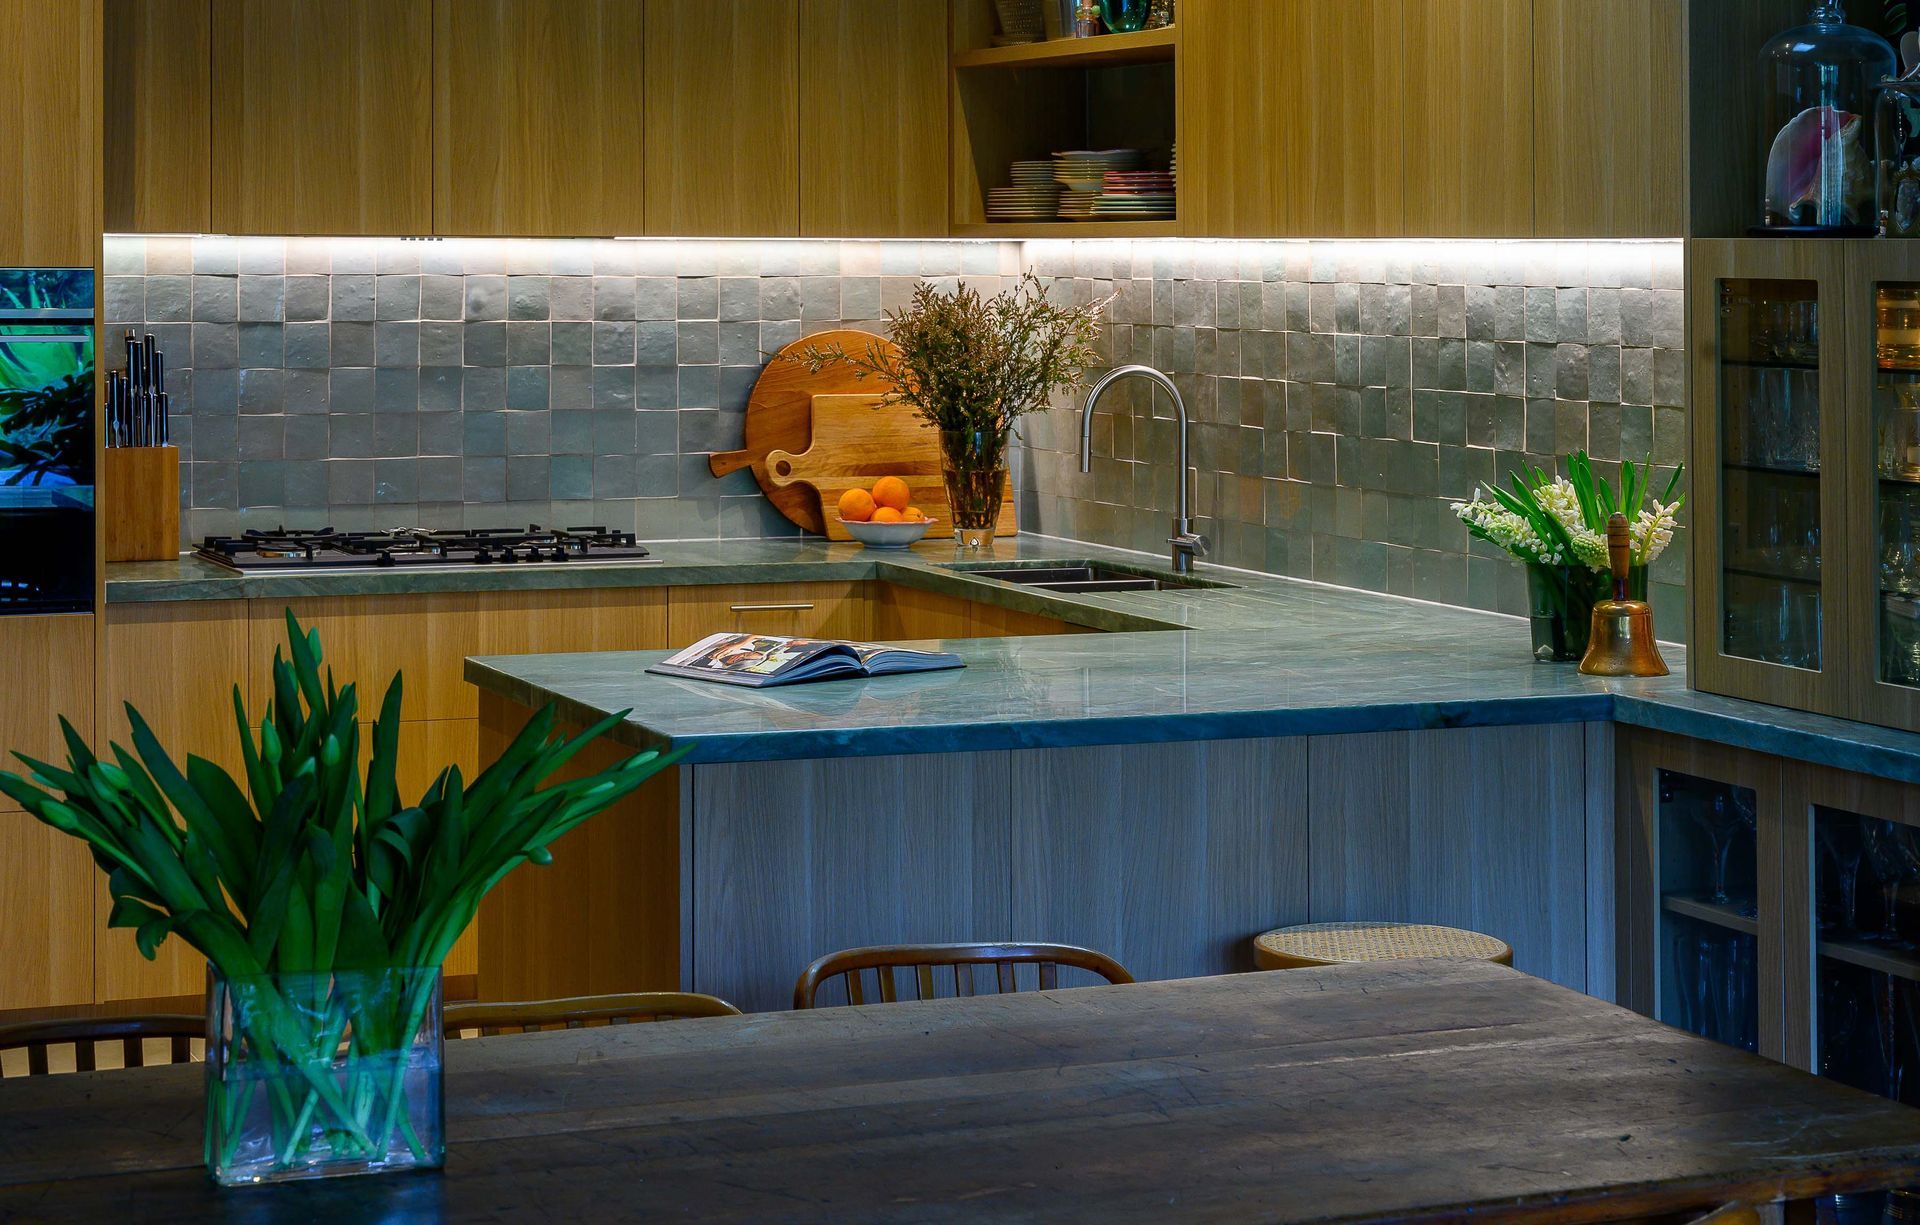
(1619, 553)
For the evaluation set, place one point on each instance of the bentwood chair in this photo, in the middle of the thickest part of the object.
(580, 1012)
(958, 962)
(184, 1035)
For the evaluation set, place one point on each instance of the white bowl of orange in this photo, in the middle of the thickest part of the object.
(883, 517)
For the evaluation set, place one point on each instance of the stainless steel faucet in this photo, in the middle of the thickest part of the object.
(1187, 543)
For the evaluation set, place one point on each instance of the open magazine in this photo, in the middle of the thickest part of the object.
(759, 660)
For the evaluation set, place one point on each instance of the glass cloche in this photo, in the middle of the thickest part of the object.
(1818, 132)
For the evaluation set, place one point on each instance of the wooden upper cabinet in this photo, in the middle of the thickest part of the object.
(537, 117)
(722, 112)
(156, 116)
(873, 129)
(50, 141)
(1292, 118)
(1344, 100)
(322, 116)
(1469, 118)
(1234, 130)
(1610, 101)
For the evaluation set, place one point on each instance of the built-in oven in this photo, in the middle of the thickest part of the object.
(46, 440)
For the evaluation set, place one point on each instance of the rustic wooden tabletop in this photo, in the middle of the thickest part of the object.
(1412, 1090)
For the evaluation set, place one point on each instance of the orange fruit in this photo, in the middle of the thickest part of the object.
(913, 514)
(887, 514)
(856, 506)
(892, 491)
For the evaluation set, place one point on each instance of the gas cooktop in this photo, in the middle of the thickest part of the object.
(322, 549)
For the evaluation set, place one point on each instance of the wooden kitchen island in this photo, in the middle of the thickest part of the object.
(1300, 754)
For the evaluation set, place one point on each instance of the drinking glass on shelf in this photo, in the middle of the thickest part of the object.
(1840, 840)
(1718, 822)
(1900, 550)
(1801, 329)
(1890, 852)
(1801, 395)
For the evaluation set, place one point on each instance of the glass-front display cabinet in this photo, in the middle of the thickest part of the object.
(1887, 495)
(1806, 474)
(1768, 322)
(1709, 980)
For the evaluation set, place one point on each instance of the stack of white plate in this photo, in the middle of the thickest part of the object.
(1035, 173)
(1078, 205)
(1032, 196)
(1023, 203)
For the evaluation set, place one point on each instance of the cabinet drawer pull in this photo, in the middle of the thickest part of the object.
(739, 608)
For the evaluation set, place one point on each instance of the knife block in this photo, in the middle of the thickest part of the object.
(140, 500)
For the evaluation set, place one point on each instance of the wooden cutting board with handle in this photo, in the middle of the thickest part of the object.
(855, 443)
(780, 417)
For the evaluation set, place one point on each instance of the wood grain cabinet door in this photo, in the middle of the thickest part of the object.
(721, 94)
(157, 81)
(50, 141)
(537, 126)
(177, 664)
(322, 116)
(873, 131)
(1234, 134)
(1469, 115)
(811, 610)
(1345, 102)
(1610, 100)
(46, 877)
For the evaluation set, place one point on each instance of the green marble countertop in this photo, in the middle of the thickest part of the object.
(1266, 657)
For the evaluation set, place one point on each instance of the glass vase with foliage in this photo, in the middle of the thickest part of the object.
(324, 901)
(1558, 527)
(971, 367)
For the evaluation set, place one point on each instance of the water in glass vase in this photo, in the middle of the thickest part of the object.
(974, 463)
(312, 1075)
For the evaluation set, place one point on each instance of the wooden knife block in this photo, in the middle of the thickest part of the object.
(140, 500)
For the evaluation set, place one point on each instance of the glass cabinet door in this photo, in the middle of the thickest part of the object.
(1896, 517)
(1708, 929)
(1770, 481)
(1867, 978)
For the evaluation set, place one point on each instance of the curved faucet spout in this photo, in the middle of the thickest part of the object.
(1187, 544)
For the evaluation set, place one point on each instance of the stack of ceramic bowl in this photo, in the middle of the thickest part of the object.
(1085, 170)
(1032, 196)
(1136, 195)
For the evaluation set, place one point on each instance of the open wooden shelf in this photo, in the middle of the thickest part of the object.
(1710, 912)
(1067, 229)
(1141, 47)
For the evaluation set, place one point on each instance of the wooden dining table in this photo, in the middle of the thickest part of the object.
(1396, 1091)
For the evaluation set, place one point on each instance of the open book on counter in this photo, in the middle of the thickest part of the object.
(760, 660)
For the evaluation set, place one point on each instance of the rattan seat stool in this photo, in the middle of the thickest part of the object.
(1327, 944)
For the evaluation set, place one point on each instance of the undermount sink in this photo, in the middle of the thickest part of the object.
(1086, 576)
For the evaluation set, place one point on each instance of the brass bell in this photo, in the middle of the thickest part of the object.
(1622, 641)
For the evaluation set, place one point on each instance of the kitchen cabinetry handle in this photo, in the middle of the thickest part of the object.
(743, 608)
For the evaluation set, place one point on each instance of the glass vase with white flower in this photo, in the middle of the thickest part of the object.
(1557, 526)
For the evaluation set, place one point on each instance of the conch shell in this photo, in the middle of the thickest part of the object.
(1817, 170)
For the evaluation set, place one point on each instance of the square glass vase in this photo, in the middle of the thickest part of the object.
(315, 1075)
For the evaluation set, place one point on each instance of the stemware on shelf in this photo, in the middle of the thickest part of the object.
(1840, 844)
(1890, 852)
(1771, 532)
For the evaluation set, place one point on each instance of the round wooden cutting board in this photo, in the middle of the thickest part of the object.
(780, 418)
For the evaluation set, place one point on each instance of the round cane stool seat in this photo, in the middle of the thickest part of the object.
(1327, 944)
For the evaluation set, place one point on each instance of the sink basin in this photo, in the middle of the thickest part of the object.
(1086, 576)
